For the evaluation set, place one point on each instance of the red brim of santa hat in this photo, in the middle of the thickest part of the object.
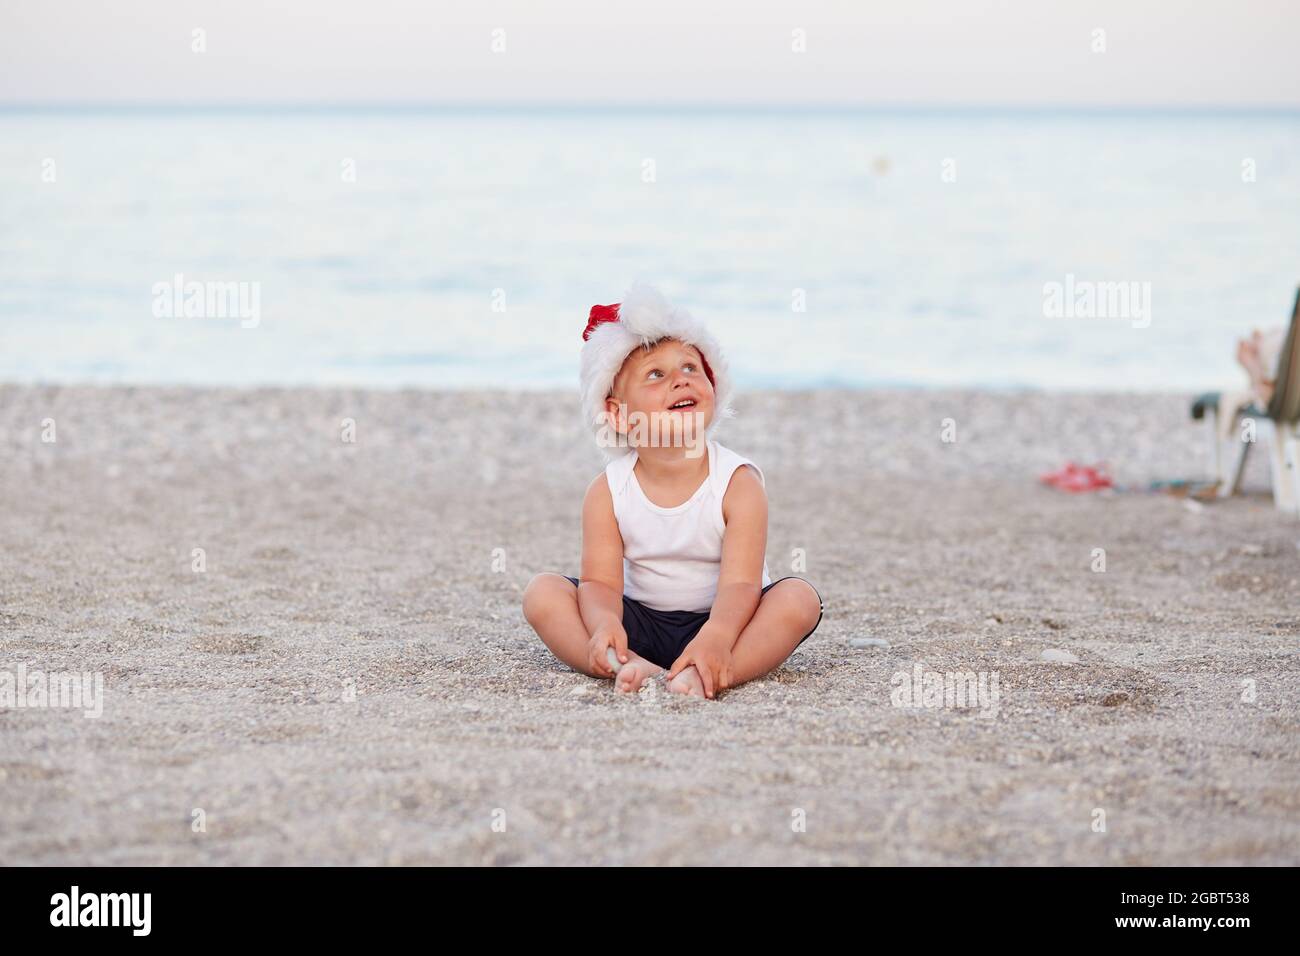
(641, 319)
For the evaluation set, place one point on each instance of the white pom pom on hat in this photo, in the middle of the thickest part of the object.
(641, 319)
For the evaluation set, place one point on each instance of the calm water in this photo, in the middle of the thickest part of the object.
(393, 279)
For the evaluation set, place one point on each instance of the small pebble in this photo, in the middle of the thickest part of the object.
(582, 690)
(1058, 656)
(861, 642)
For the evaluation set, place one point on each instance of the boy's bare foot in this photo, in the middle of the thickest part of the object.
(634, 673)
(687, 682)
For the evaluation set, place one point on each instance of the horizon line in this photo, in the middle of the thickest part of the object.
(565, 106)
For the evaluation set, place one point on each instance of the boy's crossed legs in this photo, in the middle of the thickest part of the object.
(788, 611)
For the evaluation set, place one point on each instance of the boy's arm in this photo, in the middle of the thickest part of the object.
(600, 593)
(744, 544)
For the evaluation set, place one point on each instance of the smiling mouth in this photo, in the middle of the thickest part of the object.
(684, 403)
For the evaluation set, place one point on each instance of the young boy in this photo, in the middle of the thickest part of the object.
(674, 531)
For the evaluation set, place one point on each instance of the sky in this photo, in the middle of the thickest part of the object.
(903, 53)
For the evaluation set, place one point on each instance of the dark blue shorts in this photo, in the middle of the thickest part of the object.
(661, 636)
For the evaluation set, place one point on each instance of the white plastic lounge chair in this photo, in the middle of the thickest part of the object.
(1283, 413)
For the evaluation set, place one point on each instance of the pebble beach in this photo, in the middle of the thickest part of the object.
(304, 606)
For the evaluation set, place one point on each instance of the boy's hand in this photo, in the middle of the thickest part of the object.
(610, 635)
(710, 652)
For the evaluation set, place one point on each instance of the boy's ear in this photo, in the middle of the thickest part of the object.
(614, 412)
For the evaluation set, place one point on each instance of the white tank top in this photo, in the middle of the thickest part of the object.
(672, 556)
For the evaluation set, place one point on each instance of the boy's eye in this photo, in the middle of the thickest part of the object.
(654, 372)
(689, 365)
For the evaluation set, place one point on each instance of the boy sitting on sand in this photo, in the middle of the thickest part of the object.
(673, 538)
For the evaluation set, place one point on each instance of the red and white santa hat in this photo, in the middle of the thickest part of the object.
(640, 320)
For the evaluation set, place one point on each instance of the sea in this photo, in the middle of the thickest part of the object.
(462, 248)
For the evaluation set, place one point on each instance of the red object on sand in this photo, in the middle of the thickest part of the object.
(1078, 478)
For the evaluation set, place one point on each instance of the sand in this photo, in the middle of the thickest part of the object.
(350, 679)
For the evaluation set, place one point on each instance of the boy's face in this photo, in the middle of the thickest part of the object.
(665, 388)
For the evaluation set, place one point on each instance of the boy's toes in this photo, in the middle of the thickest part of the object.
(633, 675)
(687, 682)
(629, 678)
